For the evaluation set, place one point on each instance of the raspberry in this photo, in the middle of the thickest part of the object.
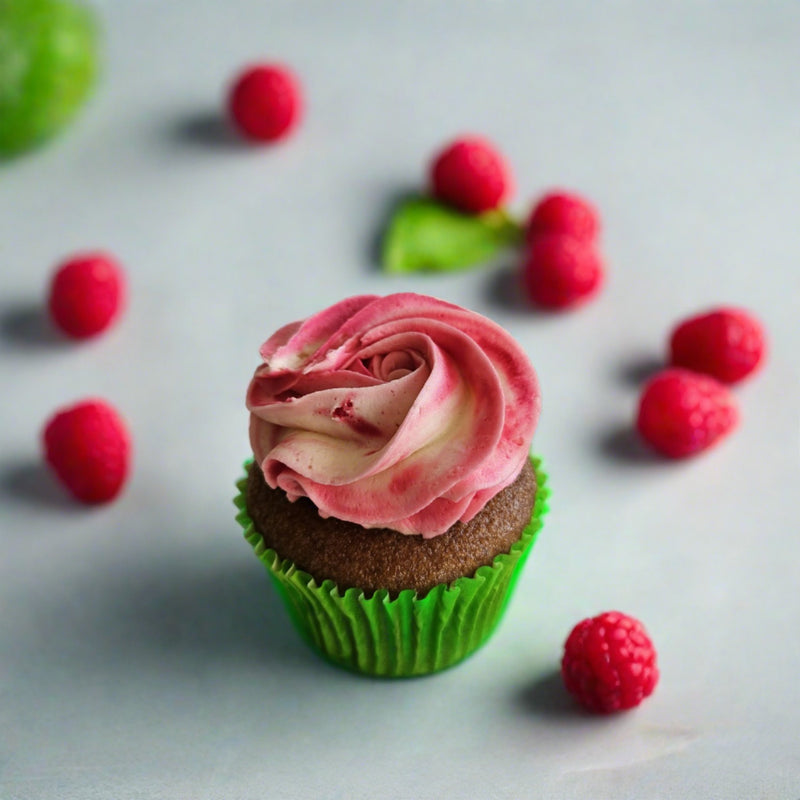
(88, 447)
(471, 175)
(265, 102)
(609, 663)
(87, 293)
(726, 343)
(561, 272)
(682, 413)
(565, 213)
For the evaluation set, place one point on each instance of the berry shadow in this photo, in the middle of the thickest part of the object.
(547, 697)
(28, 325)
(31, 483)
(208, 129)
(623, 444)
(639, 369)
(504, 291)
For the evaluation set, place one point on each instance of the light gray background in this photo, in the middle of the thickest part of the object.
(142, 651)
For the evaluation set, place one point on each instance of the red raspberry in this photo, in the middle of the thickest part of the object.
(561, 272)
(726, 343)
(471, 175)
(87, 293)
(88, 447)
(682, 413)
(609, 663)
(265, 102)
(565, 213)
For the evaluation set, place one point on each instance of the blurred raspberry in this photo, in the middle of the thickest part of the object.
(726, 343)
(265, 102)
(564, 213)
(561, 272)
(88, 447)
(471, 175)
(682, 413)
(87, 293)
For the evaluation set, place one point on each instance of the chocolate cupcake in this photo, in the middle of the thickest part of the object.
(392, 496)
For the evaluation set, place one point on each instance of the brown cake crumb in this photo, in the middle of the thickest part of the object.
(379, 558)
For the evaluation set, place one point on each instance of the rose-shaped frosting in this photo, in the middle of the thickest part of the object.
(404, 412)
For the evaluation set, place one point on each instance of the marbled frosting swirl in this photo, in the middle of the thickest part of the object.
(403, 412)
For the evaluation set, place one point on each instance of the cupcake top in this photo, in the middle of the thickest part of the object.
(402, 412)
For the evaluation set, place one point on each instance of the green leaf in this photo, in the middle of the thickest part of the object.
(48, 67)
(424, 234)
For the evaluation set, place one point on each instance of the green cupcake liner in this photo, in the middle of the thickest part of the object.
(405, 635)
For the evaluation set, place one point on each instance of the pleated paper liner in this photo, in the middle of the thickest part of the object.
(405, 635)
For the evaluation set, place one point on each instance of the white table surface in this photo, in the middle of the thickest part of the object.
(143, 653)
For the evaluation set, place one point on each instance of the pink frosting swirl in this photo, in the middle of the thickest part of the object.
(404, 412)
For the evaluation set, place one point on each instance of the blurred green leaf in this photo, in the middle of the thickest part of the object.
(48, 67)
(425, 235)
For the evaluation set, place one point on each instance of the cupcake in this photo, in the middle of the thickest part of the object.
(391, 495)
